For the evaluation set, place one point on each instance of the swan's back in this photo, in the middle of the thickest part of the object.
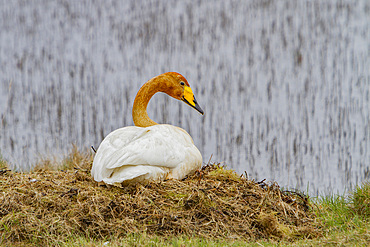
(151, 153)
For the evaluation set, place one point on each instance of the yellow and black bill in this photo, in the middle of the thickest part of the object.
(189, 99)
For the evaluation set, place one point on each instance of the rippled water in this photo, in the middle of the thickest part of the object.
(284, 84)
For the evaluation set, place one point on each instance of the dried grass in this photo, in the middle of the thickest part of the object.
(45, 206)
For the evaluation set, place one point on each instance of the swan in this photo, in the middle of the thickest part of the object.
(149, 151)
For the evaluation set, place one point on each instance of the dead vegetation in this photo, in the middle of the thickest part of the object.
(46, 206)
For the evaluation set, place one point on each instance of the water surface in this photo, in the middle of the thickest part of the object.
(284, 84)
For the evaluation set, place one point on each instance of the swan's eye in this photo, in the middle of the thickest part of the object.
(182, 83)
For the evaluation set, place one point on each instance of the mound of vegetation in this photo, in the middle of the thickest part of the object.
(49, 205)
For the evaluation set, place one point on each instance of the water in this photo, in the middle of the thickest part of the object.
(284, 84)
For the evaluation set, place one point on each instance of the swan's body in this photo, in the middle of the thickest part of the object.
(153, 153)
(149, 151)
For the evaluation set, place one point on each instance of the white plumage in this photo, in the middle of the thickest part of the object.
(135, 154)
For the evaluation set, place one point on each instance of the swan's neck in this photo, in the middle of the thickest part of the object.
(146, 92)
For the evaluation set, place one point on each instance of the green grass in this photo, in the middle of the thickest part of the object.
(144, 240)
(345, 223)
(361, 200)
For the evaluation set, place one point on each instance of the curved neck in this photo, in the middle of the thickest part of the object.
(139, 113)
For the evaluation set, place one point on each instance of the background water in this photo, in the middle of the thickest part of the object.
(284, 84)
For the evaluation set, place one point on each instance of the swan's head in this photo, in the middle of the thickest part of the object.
(179, 88)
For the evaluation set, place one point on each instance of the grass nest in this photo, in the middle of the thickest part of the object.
(215, 202)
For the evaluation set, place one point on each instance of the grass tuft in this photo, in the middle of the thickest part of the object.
(344, 218)
(3, 163)
(361, 200)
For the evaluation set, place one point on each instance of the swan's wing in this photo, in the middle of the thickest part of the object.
(159, 146)
(136, 173)
(108, 147)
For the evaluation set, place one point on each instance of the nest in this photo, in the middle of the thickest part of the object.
(212, 203)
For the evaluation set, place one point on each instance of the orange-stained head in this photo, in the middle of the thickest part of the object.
(178, 87)
(171, 83)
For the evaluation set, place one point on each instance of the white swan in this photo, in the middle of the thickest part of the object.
(149, 151)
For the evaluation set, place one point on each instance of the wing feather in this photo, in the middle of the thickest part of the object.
(136, 151)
